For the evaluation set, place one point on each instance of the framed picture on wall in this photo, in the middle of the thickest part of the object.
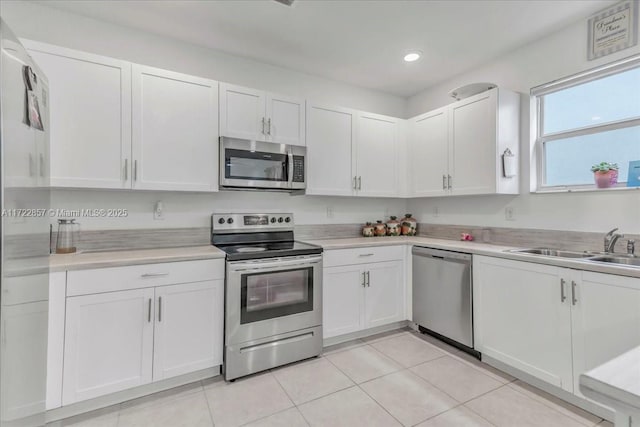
(613, 29)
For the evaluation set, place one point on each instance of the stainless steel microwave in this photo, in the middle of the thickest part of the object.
(256, 165)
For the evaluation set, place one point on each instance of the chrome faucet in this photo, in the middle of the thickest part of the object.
(610, 240)
(631, 247)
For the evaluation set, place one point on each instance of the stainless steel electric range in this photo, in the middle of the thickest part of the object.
(273, 292)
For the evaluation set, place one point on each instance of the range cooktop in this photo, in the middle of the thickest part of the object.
(257, 236)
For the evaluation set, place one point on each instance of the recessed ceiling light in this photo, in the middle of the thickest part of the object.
(412, 56)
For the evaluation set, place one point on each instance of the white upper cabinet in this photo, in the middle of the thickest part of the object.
(472, 151)
(242, 112)
(377, 152)
(428, 154)
(285, 119)
(330, 139)
(90, 116)
(353, 153)
(175, 131)
(253, 114)
(457, 150)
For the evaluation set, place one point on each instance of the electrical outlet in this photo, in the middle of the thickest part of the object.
(158, 210)
(509, 213)
(329, 211)
(436, 212)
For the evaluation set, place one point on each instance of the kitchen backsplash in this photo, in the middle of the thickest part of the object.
(99, 240)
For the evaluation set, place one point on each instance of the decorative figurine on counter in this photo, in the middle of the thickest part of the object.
(393, 226)
(409, 225)
(379, 229)
(367, 230)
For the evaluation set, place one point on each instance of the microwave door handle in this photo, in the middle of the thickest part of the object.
(290, 169)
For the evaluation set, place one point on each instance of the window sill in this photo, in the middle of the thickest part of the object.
(591, 189)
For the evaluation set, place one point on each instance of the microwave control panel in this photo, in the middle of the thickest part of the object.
(298, 169)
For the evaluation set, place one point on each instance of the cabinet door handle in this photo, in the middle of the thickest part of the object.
(135, 170)
(359, 183)
(264, 132)
(365, 255)
(41, 165)
(126, 169)
(269, 126)
(147, 275)
(444, 181)
(355, 182)
(149, 312)
(563, 297)
(364, 279)
(368, 279)
(159, 309)
(449, 180)
(574, 300)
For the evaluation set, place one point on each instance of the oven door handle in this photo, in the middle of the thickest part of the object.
(274, 266)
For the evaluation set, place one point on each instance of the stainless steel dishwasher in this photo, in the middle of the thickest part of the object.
(442, 296)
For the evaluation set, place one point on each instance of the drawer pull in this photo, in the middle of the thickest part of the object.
(147, 275)
(363, 255)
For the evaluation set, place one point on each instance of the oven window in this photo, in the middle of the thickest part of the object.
(276, 294)
(241, 164)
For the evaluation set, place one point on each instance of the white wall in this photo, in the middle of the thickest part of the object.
(37, 22)
(557, 55)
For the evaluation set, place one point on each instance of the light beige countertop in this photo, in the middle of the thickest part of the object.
(86, 260)
(477, 248)
(615, 383)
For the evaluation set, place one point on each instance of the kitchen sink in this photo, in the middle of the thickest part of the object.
(622, 260)
(553, 253)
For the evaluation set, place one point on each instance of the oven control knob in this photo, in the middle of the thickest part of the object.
(280, 219)
(230, 221)
(287, 219)
(221, 221)
(273, 219)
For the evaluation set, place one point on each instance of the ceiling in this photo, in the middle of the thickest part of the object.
(354, 41)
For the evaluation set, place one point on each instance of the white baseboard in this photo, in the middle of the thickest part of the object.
(585, 404)
(132, 393)
(365, 333)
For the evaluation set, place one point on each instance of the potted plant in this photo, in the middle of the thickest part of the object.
(605, 174)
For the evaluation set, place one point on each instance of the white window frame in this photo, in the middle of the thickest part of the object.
(537, 123)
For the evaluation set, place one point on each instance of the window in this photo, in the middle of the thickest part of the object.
(586, 119)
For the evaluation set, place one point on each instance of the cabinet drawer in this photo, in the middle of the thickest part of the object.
(93, 281)
(337, 257)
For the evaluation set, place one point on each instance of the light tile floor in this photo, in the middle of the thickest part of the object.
(399, 378)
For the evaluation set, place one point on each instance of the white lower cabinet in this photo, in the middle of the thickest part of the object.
(605, 320)
(521, 319)
(188, 333)
(119, 339)
(361, 296)
(553, 323)
(108, 343)
(342, 305)
(384, 294)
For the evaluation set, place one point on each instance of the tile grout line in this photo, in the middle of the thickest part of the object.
(545, 401)
(206, 399)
